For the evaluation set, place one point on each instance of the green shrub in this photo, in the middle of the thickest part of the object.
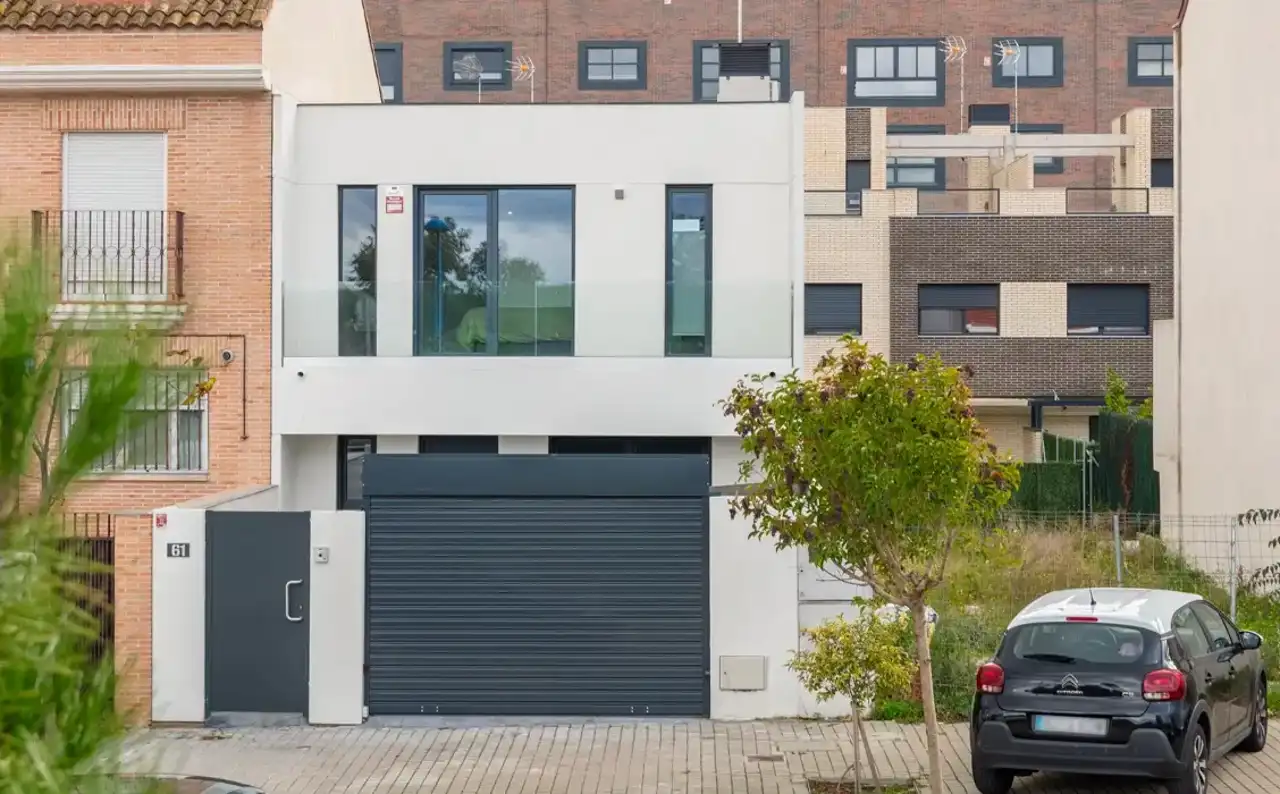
(907, 711)
(1054, 487)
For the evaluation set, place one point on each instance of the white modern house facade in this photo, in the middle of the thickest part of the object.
(500, 337)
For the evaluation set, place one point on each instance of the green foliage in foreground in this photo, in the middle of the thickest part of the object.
(57, 706)
(59, 728)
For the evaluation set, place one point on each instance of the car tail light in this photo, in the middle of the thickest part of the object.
(991, 679)
(1164, 685)
(1082, 619)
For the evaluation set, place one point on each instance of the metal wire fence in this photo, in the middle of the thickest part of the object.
(1229, 562)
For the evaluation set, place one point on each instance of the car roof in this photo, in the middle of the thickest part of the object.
(1126, 606)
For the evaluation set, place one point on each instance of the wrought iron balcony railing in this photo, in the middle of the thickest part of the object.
(113, 255)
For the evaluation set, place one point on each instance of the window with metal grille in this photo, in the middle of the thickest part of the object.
(1035, 62)
(1108, 309)
(165, 428)
(899, 72)
(612, 65)
(715, 59)
(959, 309)
(1151, 60)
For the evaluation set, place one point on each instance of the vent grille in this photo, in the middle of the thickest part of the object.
(744, 60)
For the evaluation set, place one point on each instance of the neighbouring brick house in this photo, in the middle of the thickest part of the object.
(1084, 65)
(139, 146)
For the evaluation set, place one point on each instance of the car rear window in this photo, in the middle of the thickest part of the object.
(1082, 643)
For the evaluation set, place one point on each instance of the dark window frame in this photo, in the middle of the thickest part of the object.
(342, 276)
(1056, 80)
(671, 191)
(641, 82)
(1165, 175)
(939, 99)
(453, 47)
(921, 306)
(492, 262)
(629, 445)
(1102, 330)
(784, 71)
(1143, 81)
(814, 328)
(1057, 165)
(343, 443)
(939, 163)
(398, 83)
(458, 445)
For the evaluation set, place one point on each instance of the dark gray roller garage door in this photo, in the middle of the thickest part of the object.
(537, 585)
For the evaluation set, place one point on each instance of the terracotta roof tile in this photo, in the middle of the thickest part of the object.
(91, 15)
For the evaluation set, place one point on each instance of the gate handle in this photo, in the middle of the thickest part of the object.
(288, 613)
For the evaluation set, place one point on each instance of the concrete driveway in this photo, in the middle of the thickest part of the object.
(590, 757)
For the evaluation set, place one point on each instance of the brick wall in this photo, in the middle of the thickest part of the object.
(1162, 133)
(1095, 86)
(1081, 249)
(219, 170)
(858, 134)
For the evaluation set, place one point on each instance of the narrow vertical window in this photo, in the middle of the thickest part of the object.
(688, 271)
(358, 271)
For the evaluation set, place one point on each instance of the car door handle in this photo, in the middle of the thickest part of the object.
(288, 612)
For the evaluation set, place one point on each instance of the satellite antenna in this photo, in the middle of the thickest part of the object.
(468, 67)
(1010, 52)
(522, 70)
(953, 50)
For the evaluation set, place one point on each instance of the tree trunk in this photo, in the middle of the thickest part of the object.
(861, 728)
(924, 658)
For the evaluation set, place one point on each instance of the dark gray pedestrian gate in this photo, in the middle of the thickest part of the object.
(557, 585)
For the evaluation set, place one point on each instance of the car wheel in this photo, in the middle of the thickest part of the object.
(1195, 770)
(992, 781)
(1257, 740)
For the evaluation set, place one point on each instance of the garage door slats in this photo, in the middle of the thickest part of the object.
(538, 606)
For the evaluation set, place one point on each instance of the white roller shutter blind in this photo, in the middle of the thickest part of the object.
(114, 229)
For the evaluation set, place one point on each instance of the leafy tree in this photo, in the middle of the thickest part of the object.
(863, 660)
(880, 469)
(58, 722)
(1117, 400)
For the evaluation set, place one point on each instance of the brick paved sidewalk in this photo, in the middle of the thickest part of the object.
(598, 757)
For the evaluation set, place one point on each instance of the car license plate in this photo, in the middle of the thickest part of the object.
(1076, 726)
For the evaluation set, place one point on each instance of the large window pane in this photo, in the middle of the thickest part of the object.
(535, 272)
(689, 271)
(358, 272)
(453, 314)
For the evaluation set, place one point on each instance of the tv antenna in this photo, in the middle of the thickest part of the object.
(1010, 53)
(953, 50)
(523, 70)
(468, 67)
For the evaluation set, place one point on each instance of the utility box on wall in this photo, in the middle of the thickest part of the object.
(742, 673)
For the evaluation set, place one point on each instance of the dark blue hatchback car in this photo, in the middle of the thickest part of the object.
(1118, 682)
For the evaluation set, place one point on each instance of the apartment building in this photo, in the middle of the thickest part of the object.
(139, 161)
(1038, 289)
(1078, 66)
(1216, 432)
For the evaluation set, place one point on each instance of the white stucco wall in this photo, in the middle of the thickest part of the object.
(1227, 424)
(319, 51)
(618, 382)
(177, 617)
(336, 653)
